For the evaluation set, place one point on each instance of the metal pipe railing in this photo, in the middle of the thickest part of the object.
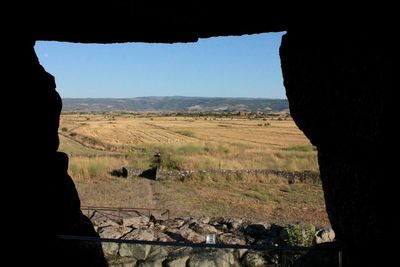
(123, 209)
(196, 245)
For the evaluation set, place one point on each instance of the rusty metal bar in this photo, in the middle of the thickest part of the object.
(200, 245)
(122, 211)
(165, 212)
(120, 208)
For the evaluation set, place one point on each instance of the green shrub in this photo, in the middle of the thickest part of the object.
(301, 234)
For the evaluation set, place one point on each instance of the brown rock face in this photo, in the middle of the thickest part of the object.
(336, 82)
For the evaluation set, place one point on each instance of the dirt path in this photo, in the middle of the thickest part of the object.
(148, 194)
(118, 193)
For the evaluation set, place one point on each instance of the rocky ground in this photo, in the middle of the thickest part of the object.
(191, 230)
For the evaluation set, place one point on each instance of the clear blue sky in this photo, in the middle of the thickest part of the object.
(245, 66)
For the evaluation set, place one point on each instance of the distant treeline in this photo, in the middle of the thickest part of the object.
(176, 104)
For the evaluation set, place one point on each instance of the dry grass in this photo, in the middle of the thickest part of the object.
(268, 201)
(192, 144)
(94, 143)
(132, 131)
(93, 167)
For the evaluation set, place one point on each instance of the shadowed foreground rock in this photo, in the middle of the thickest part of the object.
(66, 210)
(49, 204)
(337, 88)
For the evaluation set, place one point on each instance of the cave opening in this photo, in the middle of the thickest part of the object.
(338, 79)
(215, 111)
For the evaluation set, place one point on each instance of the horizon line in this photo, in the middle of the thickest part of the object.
(234, 97)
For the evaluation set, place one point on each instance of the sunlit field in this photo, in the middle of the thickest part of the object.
(100, 143)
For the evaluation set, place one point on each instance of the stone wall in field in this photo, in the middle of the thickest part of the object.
(291, 177)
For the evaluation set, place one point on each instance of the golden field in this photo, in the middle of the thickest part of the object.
(100, 143)
(195, 143)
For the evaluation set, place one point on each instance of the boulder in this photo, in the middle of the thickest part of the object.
(213, 258)
(122, 262)
(204, 229)
(136, 222)
(204, 219)
(324, 235)
(162, 237)
(135, 251)
(104, 222)
(179, 261)
(232, 239)
(178, 257)
(192, 236)
(114, 232)
(140, 234)
(110, 248)
(151, 263)
(234, 224)
(254, 259)
(175, 223)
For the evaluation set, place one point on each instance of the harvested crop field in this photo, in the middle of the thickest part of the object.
(99, 144)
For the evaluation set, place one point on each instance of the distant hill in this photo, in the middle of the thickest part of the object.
(175, 104)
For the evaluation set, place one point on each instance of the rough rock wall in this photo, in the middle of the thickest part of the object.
(40, 193)
(337, 84)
